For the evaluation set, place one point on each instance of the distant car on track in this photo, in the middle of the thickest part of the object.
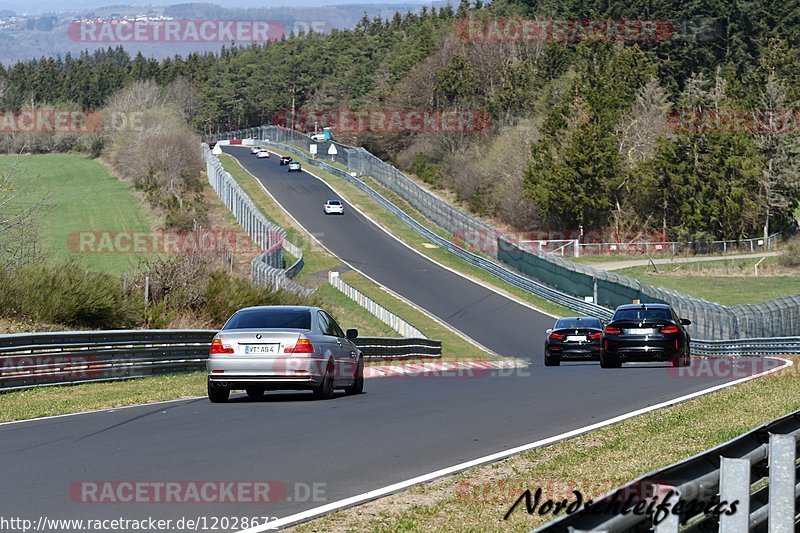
(573, 338)
(286, 159)
(254, 150)
(283, 348)
(318, 137)
(333, 206)
(294, 166)
(263, 153)
(645, 332)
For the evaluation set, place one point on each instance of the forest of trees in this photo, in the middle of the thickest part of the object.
(692, 133)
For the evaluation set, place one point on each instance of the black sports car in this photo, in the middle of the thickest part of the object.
(575, 338)
(286, 159)
(645, 332)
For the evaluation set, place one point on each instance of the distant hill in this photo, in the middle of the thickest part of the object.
(46, 33)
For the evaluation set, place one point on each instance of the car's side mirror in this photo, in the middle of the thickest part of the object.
(686, 321)
(548, 330)
(351, 333)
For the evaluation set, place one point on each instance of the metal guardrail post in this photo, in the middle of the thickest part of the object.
(734, 485)
(671, 523)
(782, 482)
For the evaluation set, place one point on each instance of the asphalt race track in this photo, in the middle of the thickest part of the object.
(398, 429)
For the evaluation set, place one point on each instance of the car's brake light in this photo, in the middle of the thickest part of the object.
(672, 328)
(595, 336)
(557, 336)
(303, 346)
(218, 348)
(613, 330)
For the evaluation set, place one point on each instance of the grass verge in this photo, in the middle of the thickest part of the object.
(729, 282)
(73, 186)
(60, 400)
(317, 261)
(595, 463)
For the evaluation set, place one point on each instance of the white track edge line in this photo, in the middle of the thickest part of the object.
(402, 485)
(485, 285)
(100, 410)
(381, 286)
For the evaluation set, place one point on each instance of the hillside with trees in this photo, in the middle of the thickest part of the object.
(690, 131)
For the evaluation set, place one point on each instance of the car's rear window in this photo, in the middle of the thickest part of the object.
(333, 202)
(270, 318)
(640, 314)
(572, 323)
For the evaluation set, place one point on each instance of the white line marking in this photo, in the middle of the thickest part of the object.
(387, 289)
(352, 501)
(479, 282)
(101, 410)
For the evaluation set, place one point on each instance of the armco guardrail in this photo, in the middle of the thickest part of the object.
(267, 269)
(38, 359)
(384, 315)
(778, 317)
(30, 360)
(748, 347)
(758, 469)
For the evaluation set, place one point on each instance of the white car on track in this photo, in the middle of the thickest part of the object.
(263, 153)
(254, 150)
(333, 206)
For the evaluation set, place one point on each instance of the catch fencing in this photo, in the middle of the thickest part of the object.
(267, 269)
(29, 360)
(384, 315)
(669, 248)
(593, 291)
(758, 470)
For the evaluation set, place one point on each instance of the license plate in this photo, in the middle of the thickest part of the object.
(576, 338)
(261, 349)
(640, 331)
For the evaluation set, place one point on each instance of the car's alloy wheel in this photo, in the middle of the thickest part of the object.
(218, 393)
(254, 393)
(609, 361)
(325, 389)
(551, 361)
(682, 360)
(358, 386)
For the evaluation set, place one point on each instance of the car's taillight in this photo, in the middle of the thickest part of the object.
(595, 336)
(556, 336)
(672, 328)
(613, 330)
(218, 348)
(303, 346)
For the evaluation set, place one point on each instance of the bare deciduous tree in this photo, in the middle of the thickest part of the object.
(18, 227)
(643, 124)
(185, 96)
(775, 132)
